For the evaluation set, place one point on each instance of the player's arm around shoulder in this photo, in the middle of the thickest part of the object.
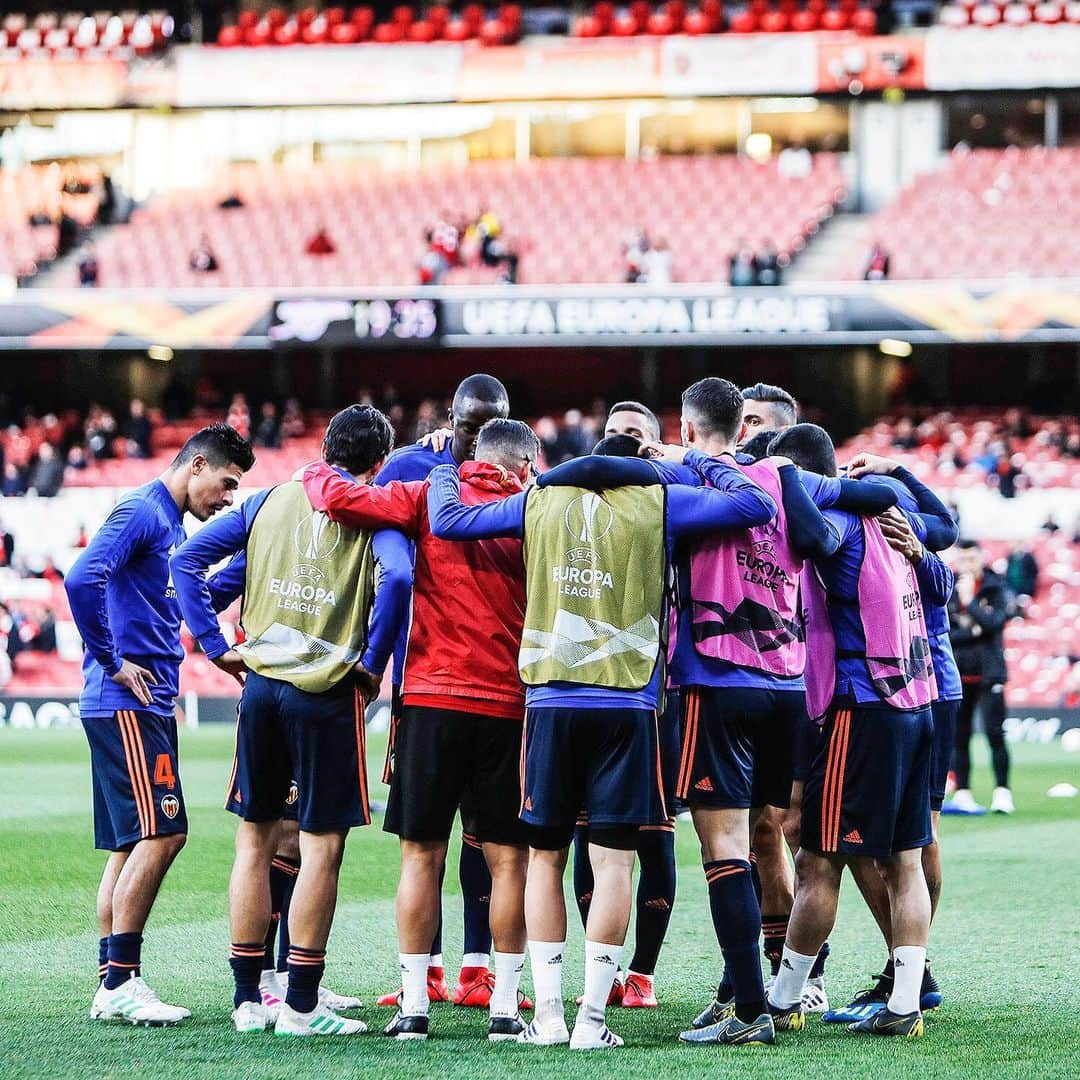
(450, 519)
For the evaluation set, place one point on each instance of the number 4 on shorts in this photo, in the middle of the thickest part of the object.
(163, 771)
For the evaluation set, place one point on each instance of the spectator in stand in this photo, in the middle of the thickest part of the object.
(1072, 445)
(137, 430)
(293, 425)
(1007, 473)
(76, 458)
(494, 250)
(656, 263)
(427, 418)
(40, 216)
(571, 440)
(14, 481)
(107, 201)
(1015, 424)
(1070, 699)
(7, 547)
(769, 266)
(744, 268)
(268, 429)
(100, 431)
(1022, 570)
(794, 162)
(320, 243)
(232, 201)
(239, 416)
(203, 260)
(443, 251)
(635, 248)
(47, 473)
(1050, 526)
(877, 263)
(904, 436)
(88, 270)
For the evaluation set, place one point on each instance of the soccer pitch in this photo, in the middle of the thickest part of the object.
(1004, 947)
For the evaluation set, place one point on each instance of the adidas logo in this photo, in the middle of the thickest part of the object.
(705, 784)
(853, 837)
(605, 959)
(555, 960)
(786, 963)
(660, 904)
(528, 803)
(897, 962)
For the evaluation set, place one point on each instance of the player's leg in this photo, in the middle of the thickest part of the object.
(113, 865)
(993, 714)
(135, 770)
(657, 873)
(430, 772)
(582, 871)
(962, 799)
(777, 881)
(553, 791)
(328, 753)
(475, 879)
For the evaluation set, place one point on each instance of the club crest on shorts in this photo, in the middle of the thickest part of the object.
(293, 795)
(170, 806)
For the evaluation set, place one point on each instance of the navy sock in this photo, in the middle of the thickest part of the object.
(287, 868)
(583, 875)
(655, 896)
(736, 918)
(246, 961)
(125, 951)
(819, 964)
(306, 968)
(102, 957)
(283, 873)
(475, 881)
(774, 932)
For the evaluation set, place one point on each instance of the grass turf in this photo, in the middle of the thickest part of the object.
(1004, 947)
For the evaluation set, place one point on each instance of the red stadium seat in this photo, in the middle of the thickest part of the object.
(334, 15)
(421, 30)
(864, 21)
(287, 34)
(986, 15)
(774, 22)
(954, 16)
(259, 34)
(493, 32)
(230, 36)
(1048, 13)
(346, 33)
(388, 33)
(457, 30)
(745, 22)
(804, 21)
(624, 25)
(275, 17)
(697, 22)
(660, 23)
(403, 16)
(316, 32)
(835, 19)
(588, 26)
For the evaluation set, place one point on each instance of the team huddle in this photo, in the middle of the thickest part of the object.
(727, 627)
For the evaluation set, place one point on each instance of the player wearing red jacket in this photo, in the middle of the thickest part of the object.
(458, 741)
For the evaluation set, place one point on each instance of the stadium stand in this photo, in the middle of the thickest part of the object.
(985, 214)
(1006, 13)
(712, 17)
(74, 34)
(567, 218)
(39, 190)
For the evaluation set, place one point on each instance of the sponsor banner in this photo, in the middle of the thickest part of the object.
(1002, 57)
(562, 68)
(849, 63)
(100, 319)
(62, 83)
(739, 64)
(317, 75)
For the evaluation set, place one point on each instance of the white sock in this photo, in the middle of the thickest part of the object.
(414, 999)
(504, 996)
(909, 961)
(475, 959)
(435, 960)
(601, 967)
(546, 960)
(787, 990)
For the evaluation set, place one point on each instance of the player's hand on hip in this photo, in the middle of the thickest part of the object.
(368, 682)
(865, 464)
(232, 663)
(136, 678)
(437, 440)
(658, 451)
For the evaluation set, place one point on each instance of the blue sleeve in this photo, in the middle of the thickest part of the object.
(118, 539)
(726, 477)
(670, 473)
(598, 472)
(807, 530)
(393, 590)
(935, 580)
(942, 531)
(450, 520)
(389, 471)
(691, 511)
(228, 583)
(221, 538)
(858, 497)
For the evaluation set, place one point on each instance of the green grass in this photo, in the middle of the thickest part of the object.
(1006, 948)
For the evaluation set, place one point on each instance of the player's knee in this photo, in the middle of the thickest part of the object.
(169, 847)
(506, 860)
(288, 845)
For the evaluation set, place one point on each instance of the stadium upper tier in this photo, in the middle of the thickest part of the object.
(986, 214)
(567, 218)
(75, 34)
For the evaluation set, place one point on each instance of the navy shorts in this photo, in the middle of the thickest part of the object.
(605, 761)
(737, 746)
(807, 737)
(135, 768)
(307, 747)
(868, 790)
(669, 725)
(945, 714)
(444, 759)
